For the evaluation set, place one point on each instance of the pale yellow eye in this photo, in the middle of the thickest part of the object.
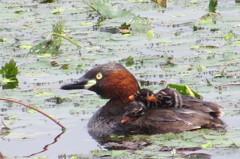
(99, 76)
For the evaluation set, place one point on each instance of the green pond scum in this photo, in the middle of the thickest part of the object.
(192, 46)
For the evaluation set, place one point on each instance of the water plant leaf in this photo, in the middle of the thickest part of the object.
(165, 41)
(44, 55)
(195, 47)
(57, 11)
(207, 20)
(207, 145)
(150, 33)
(30, 111)
(3, 39)
(58, 28)
(6, 80)
(185, 90)
(25, 46)
(109, 153)
(10, 69)
(52, 45)
(86, 23)
(229, 36)
(212, 6)
(46, 47)
(129, 61)
(106, 10)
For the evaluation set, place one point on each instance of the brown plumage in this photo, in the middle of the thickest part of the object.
(115, 82)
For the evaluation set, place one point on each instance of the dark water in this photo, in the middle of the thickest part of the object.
(74, 141)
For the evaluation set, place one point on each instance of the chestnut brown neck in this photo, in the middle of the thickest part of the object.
(120, 84)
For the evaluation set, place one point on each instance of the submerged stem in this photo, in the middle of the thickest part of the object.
(64, 37)
(229, 63)
(39, 111)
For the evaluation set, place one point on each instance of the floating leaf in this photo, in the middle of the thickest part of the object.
(229, 36)
(129, 61)
(180, 15)
(74, 157)
(46, 47)
(109, 153)
(44, 55)
(11, 117)
(52, 45)
(86, 23)
(6, 80)
(165, 41)
(30, 111)
(7, 122)
(10, 69)
(57, 11)
(185, 90)
(106, 10)
(207, 145)
(65, 66)
(126, 35)
(189, 91)
(150, 33)
(44, 94)
(10, 85)
(57, 100)
(184, 74)
(207, 20)
(195, 47)
(3, 39)
(219, 75)
(25, 46)
(79, 67)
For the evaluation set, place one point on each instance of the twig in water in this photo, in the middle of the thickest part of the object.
(39, 111)
(229, 63)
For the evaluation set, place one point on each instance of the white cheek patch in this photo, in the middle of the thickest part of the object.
(89, 84)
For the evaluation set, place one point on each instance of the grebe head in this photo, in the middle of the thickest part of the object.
(111, 80)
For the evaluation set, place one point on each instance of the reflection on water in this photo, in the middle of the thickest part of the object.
(46, 147)
(75, 140)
